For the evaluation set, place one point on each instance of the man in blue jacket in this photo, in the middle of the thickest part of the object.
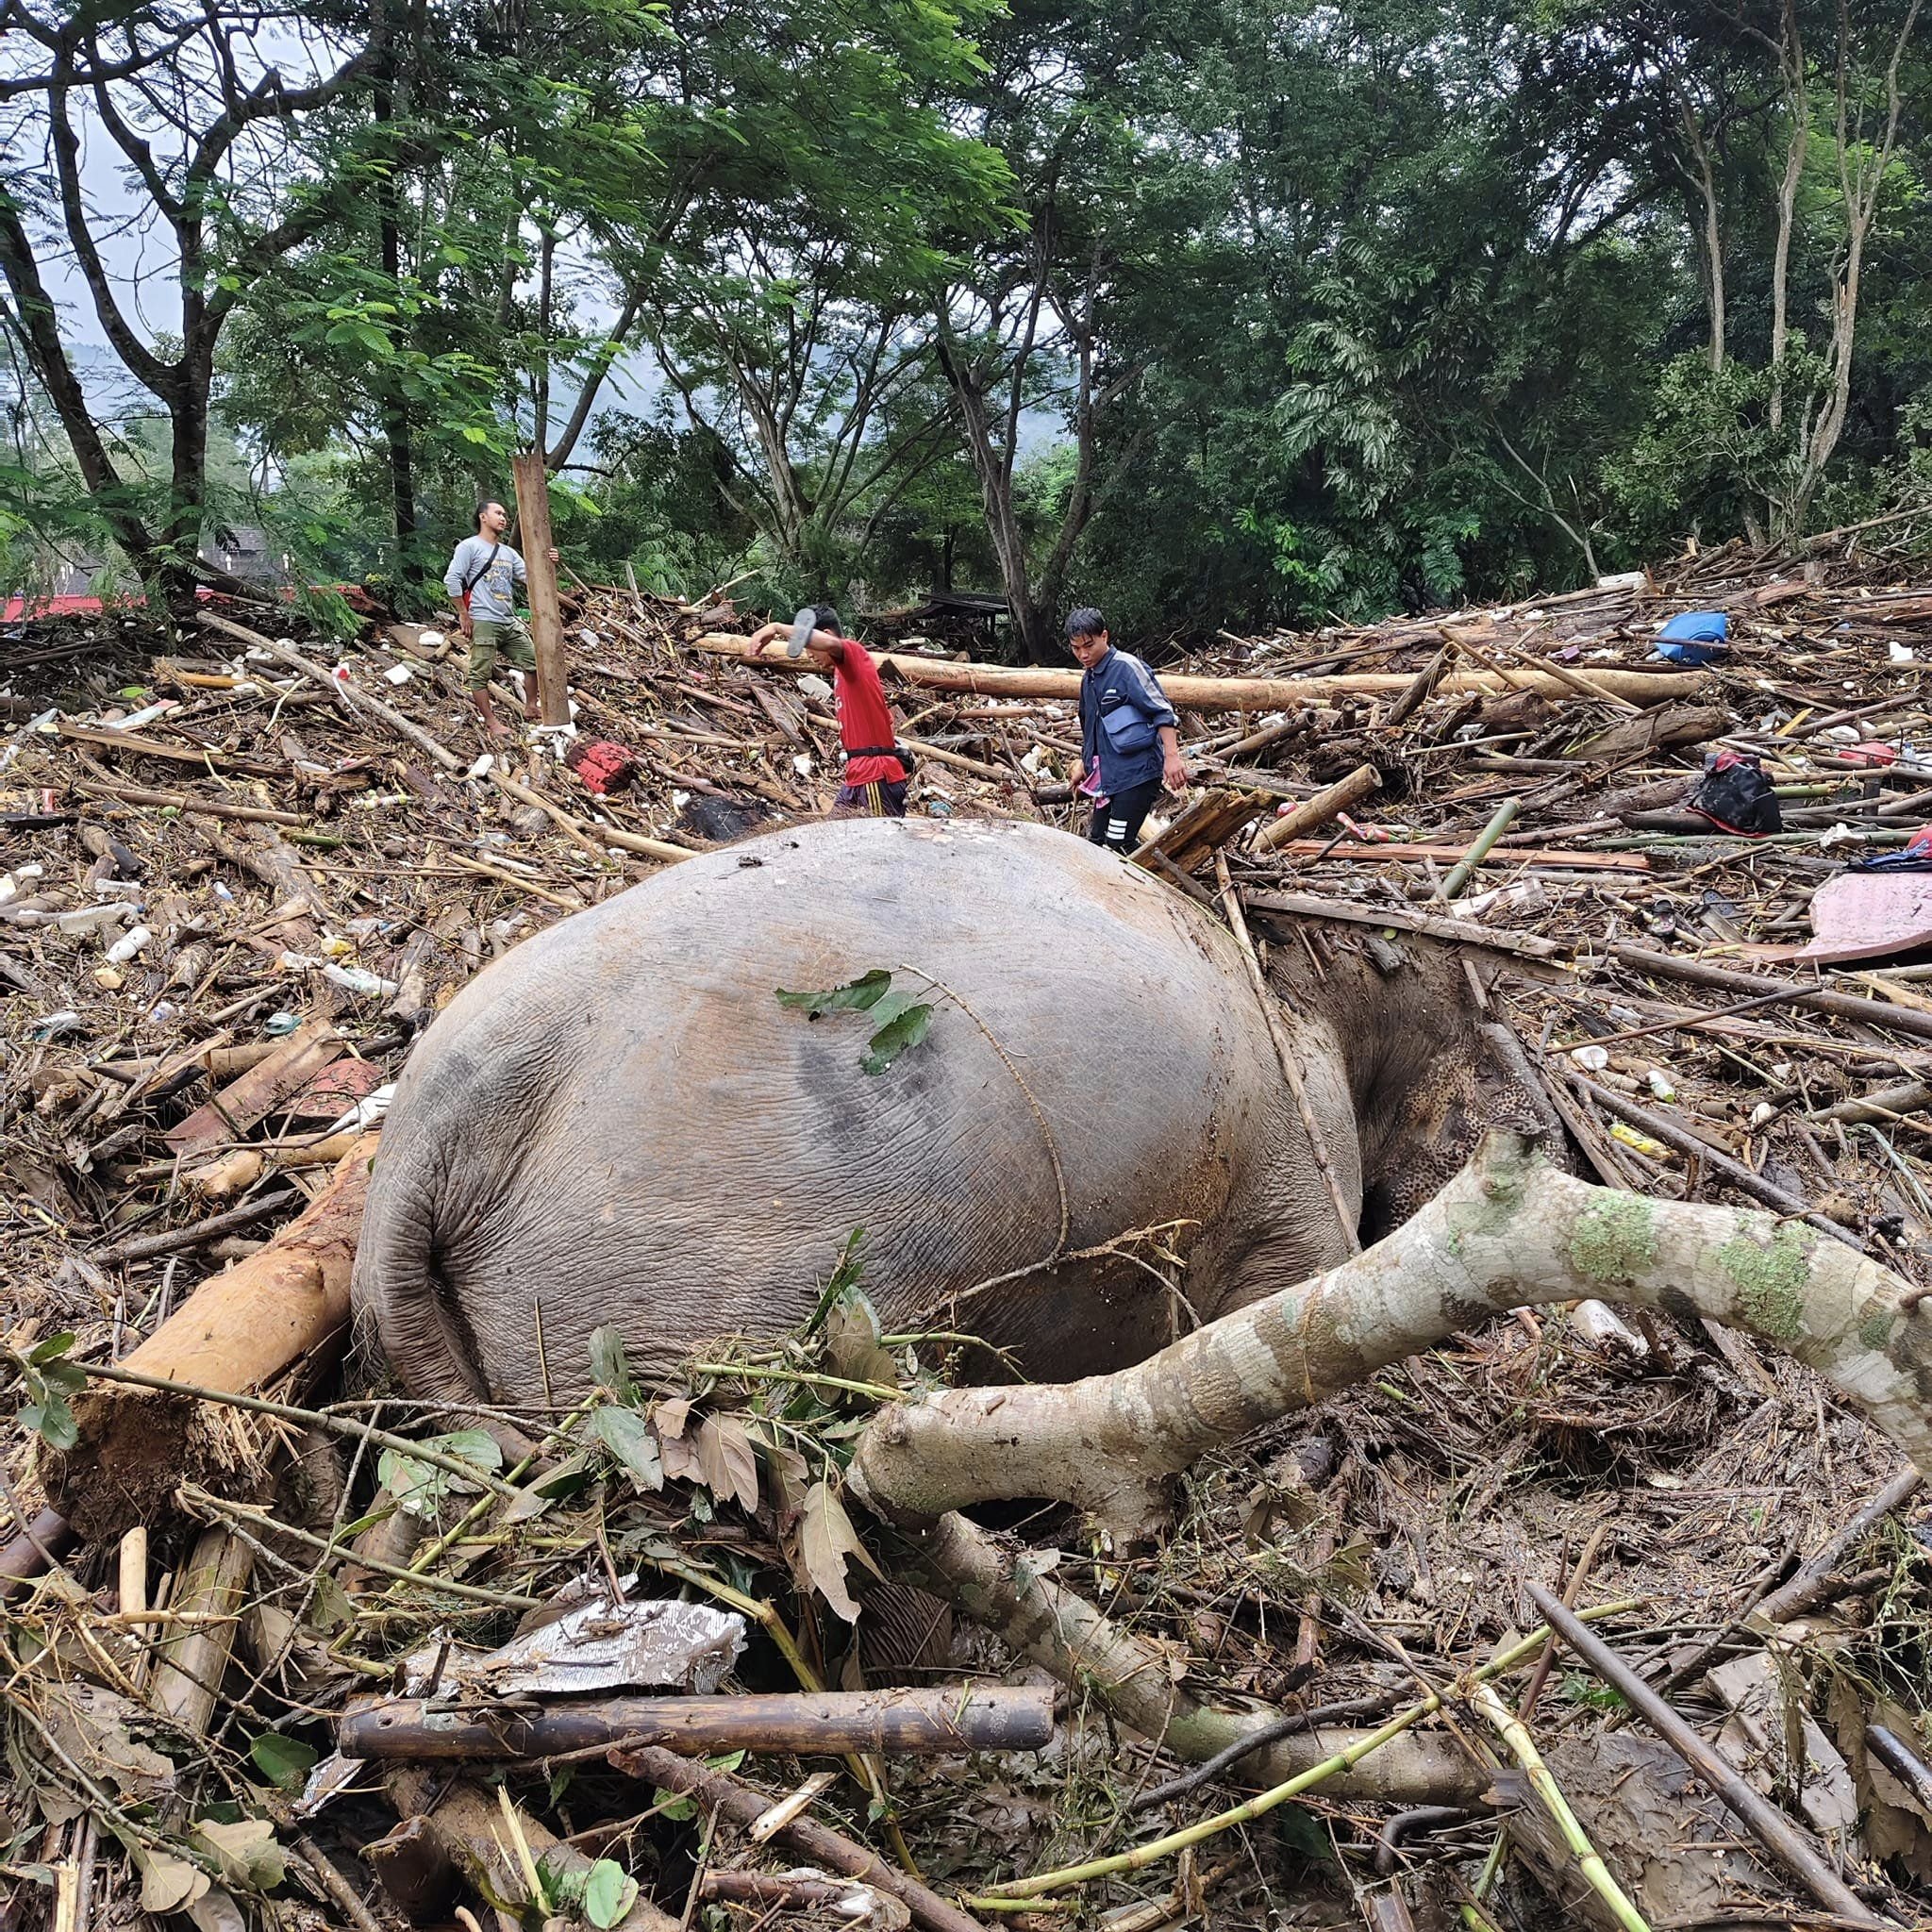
(1129, 735)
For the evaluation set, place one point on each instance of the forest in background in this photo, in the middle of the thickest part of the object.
(1220, 314)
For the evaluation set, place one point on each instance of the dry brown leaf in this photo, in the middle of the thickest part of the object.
(730, 1465)
(826, 1540)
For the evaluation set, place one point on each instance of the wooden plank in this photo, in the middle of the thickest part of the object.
(244, 1102)
(144, 747)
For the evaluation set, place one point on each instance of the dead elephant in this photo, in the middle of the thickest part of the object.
(622, 1123)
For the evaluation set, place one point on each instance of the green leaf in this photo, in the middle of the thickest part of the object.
(855, 996)
(607, 1360)
(906, 1030)
(609, 1891)
(53, 1420)
(285, 1761)
(420, 1487)
(54, 1346)
(669, 1805)
(628, 1438)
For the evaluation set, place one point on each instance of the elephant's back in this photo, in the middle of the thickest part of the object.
(659, 1116)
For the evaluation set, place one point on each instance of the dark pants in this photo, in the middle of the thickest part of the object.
(884, 798)
(1117, 824)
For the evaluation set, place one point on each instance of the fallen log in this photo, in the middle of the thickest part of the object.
(1435, 925)
(495, 1845)
(1204, 826)
(925, 1723)
(287, 1303)
(1190, 693)
(1454, 854)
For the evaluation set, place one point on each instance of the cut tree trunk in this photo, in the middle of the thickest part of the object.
(285, 1303)
(1189, 693)
(532, 480)
(1509, 1231)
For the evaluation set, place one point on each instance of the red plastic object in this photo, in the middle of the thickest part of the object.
(604, 767)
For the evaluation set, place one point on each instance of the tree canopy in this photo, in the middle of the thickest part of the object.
(1213, 313)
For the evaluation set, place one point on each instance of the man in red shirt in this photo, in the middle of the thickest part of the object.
(876, 771)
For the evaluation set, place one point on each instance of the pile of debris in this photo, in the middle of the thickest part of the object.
(243, 871)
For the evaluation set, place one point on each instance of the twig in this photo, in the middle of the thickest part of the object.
(1771, 1828)
(194, 1497)
(744, 1806)
(1156, 1849)
(1053, 1152)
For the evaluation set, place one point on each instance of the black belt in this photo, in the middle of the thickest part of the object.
(905, 759)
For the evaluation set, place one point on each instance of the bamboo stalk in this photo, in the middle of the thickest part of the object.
(1465, 868)
(1759, 1816)
(1589, 1859)
(1156, 1849)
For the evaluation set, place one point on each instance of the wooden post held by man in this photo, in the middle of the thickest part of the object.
(547, 617)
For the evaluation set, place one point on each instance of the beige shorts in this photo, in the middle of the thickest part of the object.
(507, 639)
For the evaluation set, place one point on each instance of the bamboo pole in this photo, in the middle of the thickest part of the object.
(1465, 867)
(1258, 1807)
(1515, 1733)
(1318, 809)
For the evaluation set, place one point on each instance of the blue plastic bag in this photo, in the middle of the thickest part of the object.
(1698, 637)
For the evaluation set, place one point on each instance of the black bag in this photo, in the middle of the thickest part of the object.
(1734, 793)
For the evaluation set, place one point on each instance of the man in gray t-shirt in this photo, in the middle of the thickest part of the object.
(484, 577)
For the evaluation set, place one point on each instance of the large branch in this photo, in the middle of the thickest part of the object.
(1000, 1588)
(1508, 1232)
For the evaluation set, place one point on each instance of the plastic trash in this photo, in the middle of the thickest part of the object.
(53, 1025)
(481, 768)
(812, 686)
(1901, 654)
(19, 876)
(366, 1111)
(280, 1026)
(130, 946)
(431, 640)
(92, 918)
(1661, 1084)
(1696, 636)
(360, 979)
(1655, 1150)
(1592, 1060)
(398, 673)
(801, 763)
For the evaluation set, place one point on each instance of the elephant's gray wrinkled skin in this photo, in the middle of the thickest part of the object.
(620, 1121)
